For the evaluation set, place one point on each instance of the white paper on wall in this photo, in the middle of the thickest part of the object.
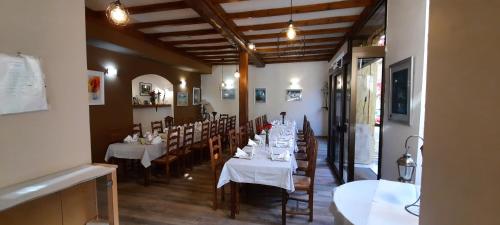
(22, 84)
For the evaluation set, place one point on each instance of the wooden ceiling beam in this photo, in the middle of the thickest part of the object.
(305, 32)
(312, 40)
(227, 1)
(214, 14)
(300, 9)
(201, 54)
(225, 57)
(202, 41)
(298, 23)
(297, 53)
(157, 7)
(299, 59)
(312, 47)
(206, 48)
(183, 33)
(177, 22)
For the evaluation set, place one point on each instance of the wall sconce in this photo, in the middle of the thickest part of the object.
(183, 84)
(294, 83)
(110, 71)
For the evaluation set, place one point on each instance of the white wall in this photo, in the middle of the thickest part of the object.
(462, 146)
(276, 79)
(406, 36)
(38, 143)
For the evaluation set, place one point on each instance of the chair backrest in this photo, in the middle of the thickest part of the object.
(223, 116)
(258, 125)
(243, 135)
(157, 125)
(188, 136)
(215, 146)
(221, 127)
(232, 122)
(304, 123)
(264, 118)
(311, 167)
(137, 129)
(250, 130)
(173, 140)
(213, 128)
(233, 141)
(205, 132)
(169, 121)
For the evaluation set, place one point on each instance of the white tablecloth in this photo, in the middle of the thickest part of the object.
(373, 202)
(261, 169)
(146, 153)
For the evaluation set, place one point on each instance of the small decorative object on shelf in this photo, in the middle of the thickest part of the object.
(283, 114)
(267, 127)
(153, 96)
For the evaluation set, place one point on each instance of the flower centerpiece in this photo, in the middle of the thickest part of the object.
(267, 127)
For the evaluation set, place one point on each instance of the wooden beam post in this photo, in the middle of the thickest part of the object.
(243, 88)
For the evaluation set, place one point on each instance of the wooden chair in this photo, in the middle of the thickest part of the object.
(264, 118)
(221, 130)
(213, 129)
(216, 164)
(303, 153)
(258, 125)
(169, 122)
(223, 116)
(233, 143)
(187, 143)
(250, 130)
(137, 129)
(304, 185)
(303, 125)
(172, 154)
(202, 146)
(305, 158)
(157, 126)
(243, 136)
(232, 123)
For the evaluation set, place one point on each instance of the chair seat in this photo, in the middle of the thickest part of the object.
(163, 159)
(301, 156)
(302, 165)
(301, 183)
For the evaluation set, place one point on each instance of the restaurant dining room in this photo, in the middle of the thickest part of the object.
(245, 112)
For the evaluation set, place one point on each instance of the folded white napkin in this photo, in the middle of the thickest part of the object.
(240, 153)
(263, 132)
(282, 144)
(128, 139)
(285, 156)
(165, 130)
(257, 137)
(135, 138)
(155, 133)
(149, 137)
(156, 140)
(251, 143)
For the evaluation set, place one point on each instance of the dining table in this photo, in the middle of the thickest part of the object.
(264, 167)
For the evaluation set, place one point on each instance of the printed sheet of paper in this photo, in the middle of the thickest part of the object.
(22, 84)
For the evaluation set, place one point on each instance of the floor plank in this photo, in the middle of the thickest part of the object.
(188, 202)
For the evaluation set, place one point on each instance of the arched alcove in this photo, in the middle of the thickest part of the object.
(144, 114)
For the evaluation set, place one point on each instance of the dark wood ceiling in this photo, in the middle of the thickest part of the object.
(213, 31)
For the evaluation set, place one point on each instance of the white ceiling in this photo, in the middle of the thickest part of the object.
(185, 37)
(173, 28)
(315, 27)
(307, 37)
(267, 4)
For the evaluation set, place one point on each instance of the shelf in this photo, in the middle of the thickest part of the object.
(151, 106)
(16, 194)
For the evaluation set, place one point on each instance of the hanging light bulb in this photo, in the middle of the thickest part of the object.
(291, 33)
(251, 46)
(237, 73)
(117, 13)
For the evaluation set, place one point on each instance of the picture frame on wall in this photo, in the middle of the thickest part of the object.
(293, 95)
(228, 93)
(182, 98)
(95, 84)
(260, 95)
(145, 88)
(400, 90)
(196, 96)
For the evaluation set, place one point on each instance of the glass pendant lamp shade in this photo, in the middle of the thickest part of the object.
(117, 14)
(291, 33)
(237, 74)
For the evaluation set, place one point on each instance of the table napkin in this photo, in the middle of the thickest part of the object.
(257, 137)
(240, 153)
(285, 156)
(128, 139)
(251, 143)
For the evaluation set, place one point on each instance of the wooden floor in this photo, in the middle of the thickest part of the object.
(186, 202)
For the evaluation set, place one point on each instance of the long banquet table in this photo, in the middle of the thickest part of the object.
(261, 169)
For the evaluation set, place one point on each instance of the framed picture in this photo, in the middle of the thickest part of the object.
(196, 96)
(145, 88)
(293, 95)
(228, 93)
(260, 95)
(95, 85)
(182, 99)
(400, 89)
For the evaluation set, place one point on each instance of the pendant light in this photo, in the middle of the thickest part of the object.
(117, 14)
(291, 33)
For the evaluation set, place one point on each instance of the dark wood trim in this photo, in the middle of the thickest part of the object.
(300, 9)
(215, 15)
(151, 106)
(157, 7)
(320, 51)
(312, 40)
(177, 22)
(300, 23)
(311, 47)
(243, 88)
(201, 41)
(305, 32)
(201, 54)
(208, 48)
(183, 33)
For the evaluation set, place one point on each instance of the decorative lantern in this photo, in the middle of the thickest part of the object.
(406, 167)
